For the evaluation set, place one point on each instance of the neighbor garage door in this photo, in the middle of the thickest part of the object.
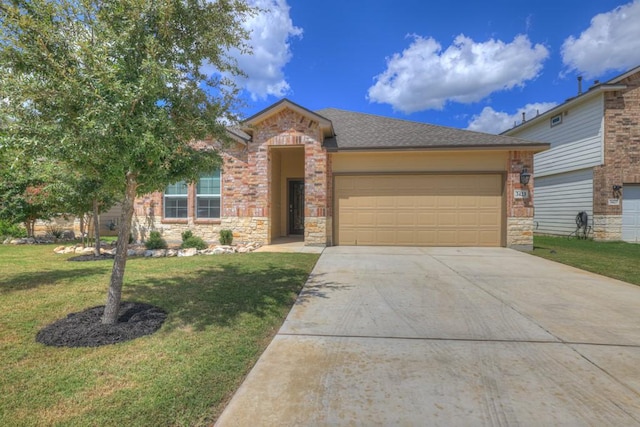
(631, 213)
(419, 210)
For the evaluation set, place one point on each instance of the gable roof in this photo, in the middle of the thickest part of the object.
(358, 131)
(323, 123)
(595, 90)
(350, 131)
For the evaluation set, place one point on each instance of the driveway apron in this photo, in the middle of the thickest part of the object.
(448, 337)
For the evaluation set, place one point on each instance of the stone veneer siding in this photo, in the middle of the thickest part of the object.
(519, 226)
(621, 157)
(607, 227)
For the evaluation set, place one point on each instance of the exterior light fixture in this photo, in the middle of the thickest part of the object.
(524, 176)
(616, 191)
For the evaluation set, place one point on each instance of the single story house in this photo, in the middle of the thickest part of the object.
(337, 177)
(594, 161)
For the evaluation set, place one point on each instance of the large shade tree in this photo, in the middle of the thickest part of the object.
(114, 88)
(30, 189)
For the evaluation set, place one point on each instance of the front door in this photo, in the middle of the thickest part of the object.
(296, 207)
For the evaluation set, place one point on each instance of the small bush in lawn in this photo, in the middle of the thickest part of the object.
(226, 237)
(194, 242)
(186, 235)
(8, 229)
(155, 241)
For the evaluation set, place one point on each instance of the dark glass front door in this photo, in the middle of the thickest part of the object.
(296, 207)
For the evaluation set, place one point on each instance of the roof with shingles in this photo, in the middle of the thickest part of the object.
(358, 131)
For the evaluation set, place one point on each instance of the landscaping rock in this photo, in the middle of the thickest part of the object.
(138, 250)
(171, 253)
(188, 252)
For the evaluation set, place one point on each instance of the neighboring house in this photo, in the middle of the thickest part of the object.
(342, 178)
(108, 224)
(594, 161)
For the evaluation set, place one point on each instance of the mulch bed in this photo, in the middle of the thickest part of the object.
(85, 328)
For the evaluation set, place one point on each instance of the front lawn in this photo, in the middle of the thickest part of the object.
(222, 312)
(619, 260)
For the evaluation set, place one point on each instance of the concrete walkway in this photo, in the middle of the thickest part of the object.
(448, 337)
(290, 244)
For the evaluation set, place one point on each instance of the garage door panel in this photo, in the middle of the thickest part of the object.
(424, 219)
(468, 219)
(468, 236)
(447, 238)
(386, 219)
(405, 219)
(405, 201)
(424, 210)
(468, 202)
(488, 220)
(366, 202)
(631, 213)
(488, 203)
(447, 218)
(446, 202)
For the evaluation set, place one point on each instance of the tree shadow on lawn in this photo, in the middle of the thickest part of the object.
(220, 294)
(34, 279)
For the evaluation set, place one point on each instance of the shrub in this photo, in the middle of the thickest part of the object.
(194, 242)
(186, 235)
(8, 229)
(155, 241)
(55, 230)
(226, 237)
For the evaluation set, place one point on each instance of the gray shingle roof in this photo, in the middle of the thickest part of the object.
(357, 131)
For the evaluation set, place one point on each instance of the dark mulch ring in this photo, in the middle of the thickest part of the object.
(91, 257)
(85, 329)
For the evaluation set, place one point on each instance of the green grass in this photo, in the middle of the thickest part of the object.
(618, 260)
(223, 311)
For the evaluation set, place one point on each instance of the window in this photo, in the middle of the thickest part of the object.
(208, 196)
(556, 120)
(176, 200)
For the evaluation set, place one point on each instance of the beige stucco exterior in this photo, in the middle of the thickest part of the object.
(417, 161)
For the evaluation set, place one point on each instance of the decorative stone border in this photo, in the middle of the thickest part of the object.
(160, 253)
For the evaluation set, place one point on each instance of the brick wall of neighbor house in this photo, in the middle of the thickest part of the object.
(519, 211)
(621, 157)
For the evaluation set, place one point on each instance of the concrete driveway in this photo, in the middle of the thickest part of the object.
(449, 337)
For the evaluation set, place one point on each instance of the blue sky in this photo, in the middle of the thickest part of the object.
(465, 64)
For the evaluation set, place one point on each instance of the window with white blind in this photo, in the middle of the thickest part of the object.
(208, 196)
(176, 200)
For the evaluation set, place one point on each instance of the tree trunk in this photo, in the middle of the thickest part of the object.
(30, 225)
(82, 227)
(96, 227)
(112, 307)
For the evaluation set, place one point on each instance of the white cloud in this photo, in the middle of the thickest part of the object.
(491, 121)
(425, 77)
(612, 42)
(271, 30)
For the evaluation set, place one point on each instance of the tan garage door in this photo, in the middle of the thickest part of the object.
(419, 210)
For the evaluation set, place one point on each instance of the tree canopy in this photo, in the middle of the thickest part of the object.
(114, 89)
